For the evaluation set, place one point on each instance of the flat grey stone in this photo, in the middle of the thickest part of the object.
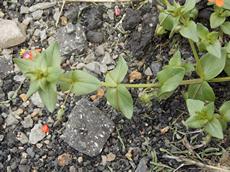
(71, 41)
(36, 100)
(22, 137)
(87, 129)
(11, 33)
(11, 120)
(142, 166)
(41, 6)
(36, 134)
(6, 66)
(28, 122)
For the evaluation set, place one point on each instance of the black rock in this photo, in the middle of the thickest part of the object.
(92, 17)
(131, 20)
(87, 129)
(95, 37)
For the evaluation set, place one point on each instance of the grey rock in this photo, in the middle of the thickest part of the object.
(19, 78)
(107, 59)
(89, 58)
(155, 67)
(37, 14)
(1, 137)
(6, 66)
(30, 152)
(36, 134)
(70, 28)
(24, 10)
(36, 100)
(74, 42)
(72, 169)
(24, 168)
(72, 13)
(95, 37)
(148, 72)
(11, 120)
(103, 68)
(100, 51)
(42, 6)
(87, 129)
(11, 33)
(93, 67)
(22, 138)
(43, 35)
(28, 122)
(142, 166)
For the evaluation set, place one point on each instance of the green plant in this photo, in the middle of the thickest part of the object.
(45, 73)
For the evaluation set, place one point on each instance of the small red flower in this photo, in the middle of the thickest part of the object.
(218, 3)
(117, 11)
(45, 128)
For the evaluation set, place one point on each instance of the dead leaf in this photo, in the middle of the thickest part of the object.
(110, 157)
(23, 97)
(129, 154)
(99, 95)
(64, 159)
(164, 130)
(135, 75)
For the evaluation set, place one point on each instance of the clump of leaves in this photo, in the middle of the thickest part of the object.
(45, 73)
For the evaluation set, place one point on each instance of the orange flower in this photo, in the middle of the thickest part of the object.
(219, 3)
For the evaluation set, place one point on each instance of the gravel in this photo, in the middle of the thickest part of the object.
(36, 134)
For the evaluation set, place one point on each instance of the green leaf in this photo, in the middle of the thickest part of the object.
(175, 61)
(212, 65)
(227, 66)
(118, 74)
(49, 96)
(34, 86)
(166, 21)
(194, 106)
(121, 99)
(196, 121)
(225, 111)
(189, 5)
(170, 78)
(201, 91)
(215, 49)
(54, 74)
(190, 31)
(52, 55)
(24, 65)
(214, 128)
(226, 28)
(80, 82)
(202, 31)
(216, 20)
(227, 4)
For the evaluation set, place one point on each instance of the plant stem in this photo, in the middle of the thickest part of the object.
(157, 85)
(199, 67)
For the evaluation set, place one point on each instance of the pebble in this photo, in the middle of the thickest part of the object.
(72, 169)
(37, 14)
(93, 67)
(100, 51)
(148, 72)
(42, 6)
(11, 34)
(24, 168)
(6, 65)
(36, 100)
(30, 152)
(19, 78)
(64, 159)
(89, 58)
(107, 59)
(11, 120)
(36, 134)
(22, 137)
(24, 10)
(80, 159)
(95, 37)
(1, 137)
(155, 67)
(27, 122)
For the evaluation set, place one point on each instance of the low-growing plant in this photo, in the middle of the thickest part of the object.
(45, 73)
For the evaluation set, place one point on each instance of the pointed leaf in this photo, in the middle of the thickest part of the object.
(175, 61)
(194, 106)
(49, 96)
(34, 86)
(214, 128)
(118, 74)
(190, 31)
(225, 111)
(212, 65)
(121, 99)
(226, 28)
(189, 5)
(23, 64)
(201, 91)
(216, 20)
(52, 55)
(215, 49)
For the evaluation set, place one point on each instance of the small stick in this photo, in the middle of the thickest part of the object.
(63, 4)
(197, 163)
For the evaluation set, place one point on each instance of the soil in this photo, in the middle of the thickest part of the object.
(157, 129)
